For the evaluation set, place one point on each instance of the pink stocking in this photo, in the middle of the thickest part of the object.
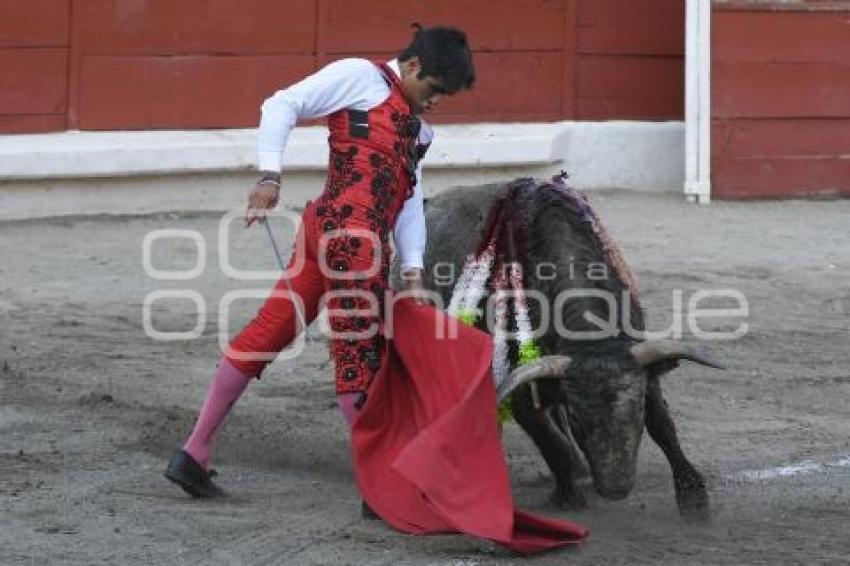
(227, 386)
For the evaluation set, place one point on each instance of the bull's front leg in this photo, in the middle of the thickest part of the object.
(691, 495)
(560, 455)
(579, 472)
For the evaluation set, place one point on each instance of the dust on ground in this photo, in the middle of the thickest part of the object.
(90, 406)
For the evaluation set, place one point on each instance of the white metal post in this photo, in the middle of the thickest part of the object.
(698, 101)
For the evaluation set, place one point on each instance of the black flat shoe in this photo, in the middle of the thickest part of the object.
(183, 470)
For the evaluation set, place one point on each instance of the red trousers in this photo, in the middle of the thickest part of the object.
(346, 270)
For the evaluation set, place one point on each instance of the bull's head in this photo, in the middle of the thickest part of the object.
(604, 399)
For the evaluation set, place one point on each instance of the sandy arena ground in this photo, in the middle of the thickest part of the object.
(90, 407)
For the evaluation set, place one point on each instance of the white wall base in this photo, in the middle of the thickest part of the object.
(152, 171)
(643, 156)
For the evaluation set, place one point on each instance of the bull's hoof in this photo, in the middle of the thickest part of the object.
(367, 512)
(692, 497)
(569, 499)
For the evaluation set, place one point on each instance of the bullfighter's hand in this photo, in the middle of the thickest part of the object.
(263, 197)
(414, 288)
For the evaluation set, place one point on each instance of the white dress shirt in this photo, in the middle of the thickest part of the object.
(349, 83)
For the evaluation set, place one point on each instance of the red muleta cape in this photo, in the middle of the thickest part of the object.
(426, 446)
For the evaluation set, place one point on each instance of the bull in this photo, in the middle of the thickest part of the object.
(591, 399)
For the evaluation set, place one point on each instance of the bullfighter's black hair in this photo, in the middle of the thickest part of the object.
(444, 54)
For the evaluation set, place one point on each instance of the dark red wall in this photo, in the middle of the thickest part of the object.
(630, 60)
(137, 64)
(780, 99)
(34, 47)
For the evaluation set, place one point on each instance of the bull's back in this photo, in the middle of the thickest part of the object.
(456, 220)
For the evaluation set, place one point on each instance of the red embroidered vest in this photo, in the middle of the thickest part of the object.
(373, 160)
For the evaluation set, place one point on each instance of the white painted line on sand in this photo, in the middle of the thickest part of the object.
(790, 470)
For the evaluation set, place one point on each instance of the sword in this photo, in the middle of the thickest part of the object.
(285, 277)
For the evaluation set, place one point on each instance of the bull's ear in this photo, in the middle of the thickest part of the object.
(654, 352)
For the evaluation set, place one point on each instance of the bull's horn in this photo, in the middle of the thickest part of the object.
(546, 367)
(647, 353)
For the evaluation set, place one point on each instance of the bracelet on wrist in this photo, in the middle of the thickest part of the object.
(273, 175)
(272, 182)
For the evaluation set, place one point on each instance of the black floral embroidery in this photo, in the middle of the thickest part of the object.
(344, 173)
(357, 361)
(407, 127)
(381, 189)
